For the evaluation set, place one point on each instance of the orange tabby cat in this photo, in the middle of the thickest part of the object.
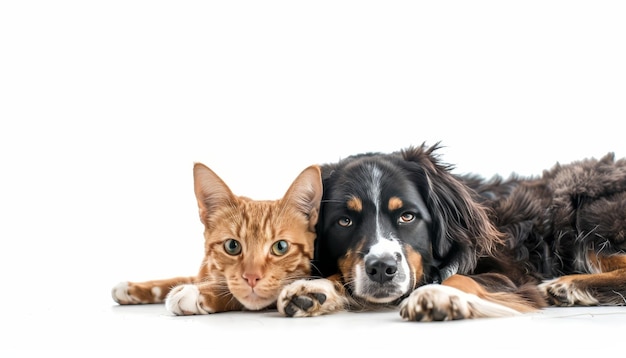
(253, 248)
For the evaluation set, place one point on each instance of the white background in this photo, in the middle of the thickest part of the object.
(106, 105)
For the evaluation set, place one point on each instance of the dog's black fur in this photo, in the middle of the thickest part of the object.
(401, 228)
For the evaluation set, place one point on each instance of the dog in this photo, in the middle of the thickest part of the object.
(400, 230)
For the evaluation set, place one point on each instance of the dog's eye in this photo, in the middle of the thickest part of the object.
(232, 247)
(280, 247)
(344, 222)
(407, 217)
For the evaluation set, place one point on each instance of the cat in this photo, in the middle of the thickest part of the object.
(253, 248)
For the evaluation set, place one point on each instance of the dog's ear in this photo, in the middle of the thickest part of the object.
(461, 226)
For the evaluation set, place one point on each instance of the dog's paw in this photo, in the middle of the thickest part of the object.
(563, 291)
(185, 300)
(307, 298)
(444, 303)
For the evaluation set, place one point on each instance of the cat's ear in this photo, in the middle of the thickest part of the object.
(305, 194)
(211, 191)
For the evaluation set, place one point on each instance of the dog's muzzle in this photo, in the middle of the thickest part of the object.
(384, 274)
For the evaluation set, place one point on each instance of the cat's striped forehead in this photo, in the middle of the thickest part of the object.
(260, 223)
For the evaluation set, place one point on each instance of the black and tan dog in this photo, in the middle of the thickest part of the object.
(400, 230)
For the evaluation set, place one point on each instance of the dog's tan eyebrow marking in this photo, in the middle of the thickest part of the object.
(355, 204)
(395, 203)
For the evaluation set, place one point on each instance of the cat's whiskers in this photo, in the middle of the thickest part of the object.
(314, 268)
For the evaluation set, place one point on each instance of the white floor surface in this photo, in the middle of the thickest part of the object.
(108, 329)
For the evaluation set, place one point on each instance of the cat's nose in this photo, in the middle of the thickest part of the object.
(252, 278)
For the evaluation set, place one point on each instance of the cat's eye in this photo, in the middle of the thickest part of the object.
(344, 222)
(232, 247)
(406, 217)
(280, 247)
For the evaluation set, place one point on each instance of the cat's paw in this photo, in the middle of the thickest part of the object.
(185, 300)
(444, 303)
(134, 293)
(121, 294)
(307, 298)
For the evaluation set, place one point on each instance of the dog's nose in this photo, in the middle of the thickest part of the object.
(381, 269)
